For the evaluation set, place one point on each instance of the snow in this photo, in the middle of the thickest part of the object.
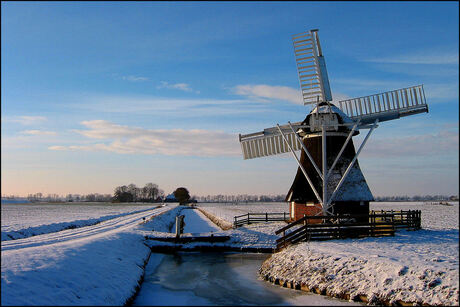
(93, 265)
(227, 211)
(433, 216)
(101, 264)
(196, 222)
(25, 220)
(413, 266)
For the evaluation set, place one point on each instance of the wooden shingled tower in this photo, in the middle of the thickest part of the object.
(337, 186)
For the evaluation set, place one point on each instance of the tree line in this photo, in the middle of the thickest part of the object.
(152, 193)
(417, 198)
(131, 193)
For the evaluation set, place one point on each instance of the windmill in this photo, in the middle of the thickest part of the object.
(338, 185)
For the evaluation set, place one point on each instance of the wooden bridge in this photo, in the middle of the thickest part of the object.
(376, 224)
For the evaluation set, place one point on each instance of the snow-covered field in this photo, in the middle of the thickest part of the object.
(25, 220)
(101, 264)
(227, 211)
(433, 216)
(93, 265)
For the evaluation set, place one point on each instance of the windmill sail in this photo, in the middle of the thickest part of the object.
(268, 142)
(311, 67)
(386, 106)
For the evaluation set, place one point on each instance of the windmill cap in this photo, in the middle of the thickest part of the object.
(324, 108)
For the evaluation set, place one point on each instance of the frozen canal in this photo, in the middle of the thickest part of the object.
(217, 279)
(195, 278)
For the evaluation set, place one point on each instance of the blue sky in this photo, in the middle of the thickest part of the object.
(101, 94)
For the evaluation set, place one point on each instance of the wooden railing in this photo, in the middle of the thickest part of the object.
(377, 223)
(259, 218)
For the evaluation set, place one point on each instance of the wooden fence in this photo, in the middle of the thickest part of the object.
(259, 217)
(379, 223)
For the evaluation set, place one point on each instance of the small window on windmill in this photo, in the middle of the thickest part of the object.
(310, 204)
(330, 120)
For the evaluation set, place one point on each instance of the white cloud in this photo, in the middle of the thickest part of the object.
(26, 120)
(38, 132)
(440, 143)
(134, 140)
(434, 92)
(430, 59)
(171, 107)
(57, 147)
(261, 92)
(134, 78)
(177, 86)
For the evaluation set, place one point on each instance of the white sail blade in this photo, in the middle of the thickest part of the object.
(386, 106)
(311, 67)
(268, 142)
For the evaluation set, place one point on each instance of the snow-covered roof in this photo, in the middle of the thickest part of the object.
(324, 108)
(170, 197)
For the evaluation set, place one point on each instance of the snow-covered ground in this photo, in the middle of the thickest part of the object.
(227, 211)
(413, 266)
(93, 265)
(25, 220)
(433, 216)
(101, 264)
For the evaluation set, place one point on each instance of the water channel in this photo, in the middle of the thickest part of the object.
(217, 279)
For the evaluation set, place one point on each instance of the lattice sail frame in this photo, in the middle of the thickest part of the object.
(268, 142)
(311, 68)
(386, 106)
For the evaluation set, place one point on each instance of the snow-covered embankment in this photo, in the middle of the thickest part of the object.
(413, 267)
(94, 265)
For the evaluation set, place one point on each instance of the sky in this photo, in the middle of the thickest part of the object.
(95, 95)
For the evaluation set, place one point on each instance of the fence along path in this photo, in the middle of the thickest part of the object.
(350, 226)
(249, 218)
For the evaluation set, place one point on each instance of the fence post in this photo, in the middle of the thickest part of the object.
(306, 230)
(266, 217)
(393, 222)
(372, 223)
(419, 225)
(284, 216)
(249, 222)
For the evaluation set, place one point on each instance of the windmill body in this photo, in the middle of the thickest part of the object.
(354, 195)
(337, 186)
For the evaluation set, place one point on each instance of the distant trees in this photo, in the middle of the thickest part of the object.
(240, 198)
(131, 193)
(417, 198)
(182, 195)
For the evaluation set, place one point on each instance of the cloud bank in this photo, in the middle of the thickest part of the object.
(134, 140)
(429, 59)
(38, 132)
(262, 92)
(26, 120)
(435, 144)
